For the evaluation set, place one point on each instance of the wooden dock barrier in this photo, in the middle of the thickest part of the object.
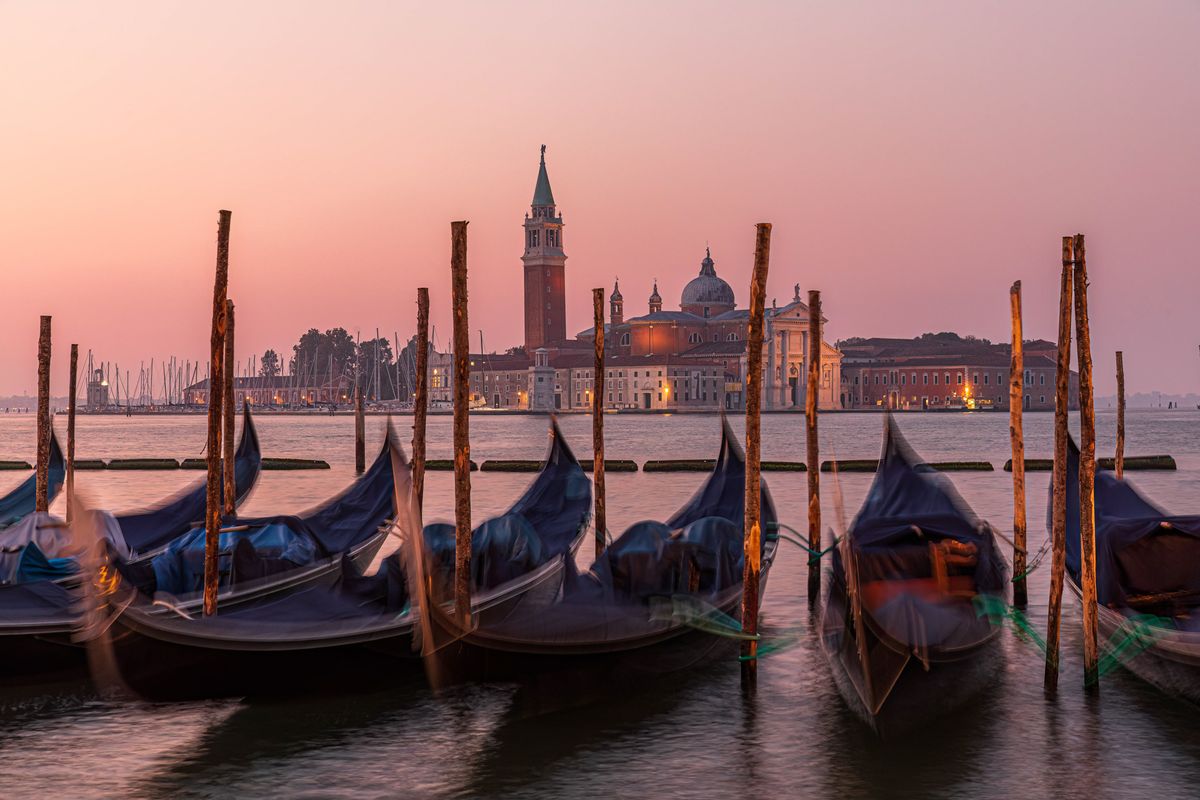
(1158, 462)
(1087, 473)
(360, 433)
(72, 395)
(1119, 460)
(612, 465)
(752, 542)
(143, 463)
(42, 480)
(462, 436)
(421, 398)
(293, 463)
(872, 465)
(445, 465)
(1058, 512)
(600, 520)
(228, 407)
(1016, 432)
(212, 516)
(811, 404)
(680, 465)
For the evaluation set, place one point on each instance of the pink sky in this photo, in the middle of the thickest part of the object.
(914, 158)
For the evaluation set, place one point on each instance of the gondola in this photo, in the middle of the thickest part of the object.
(354, 632)
(662, 597)
(39, 566)
(1147, 580)
(21, 501)
(899, 624)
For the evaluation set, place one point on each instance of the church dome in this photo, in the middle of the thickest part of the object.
(706, 288)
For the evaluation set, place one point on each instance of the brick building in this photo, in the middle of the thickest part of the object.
(944, 372)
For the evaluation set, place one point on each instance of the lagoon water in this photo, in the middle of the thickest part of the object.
(694, 737)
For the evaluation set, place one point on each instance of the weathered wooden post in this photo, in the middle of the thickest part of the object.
(1120, 455)
(1087, 471)
(462, 433)
(752, 541)
(1016, 432)
(360, 430)
(228, 410)
(601, 520)
(1058, 514)
(42, 481)
(811, 403)
(71, 399)
(421, 397)
(216, 382)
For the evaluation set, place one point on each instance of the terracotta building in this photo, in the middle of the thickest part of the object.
(545, 267)
(690, 359)
(945, 372)
(709, 327)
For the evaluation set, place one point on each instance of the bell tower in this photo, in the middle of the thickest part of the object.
(545, 268)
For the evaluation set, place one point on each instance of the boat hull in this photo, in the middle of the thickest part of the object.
(168, 659)
(914, 691)
(553, 675)
(1171, 663)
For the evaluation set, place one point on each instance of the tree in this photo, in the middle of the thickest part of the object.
(316, 352)
(270, 364)
(371, 354)
(518, 350)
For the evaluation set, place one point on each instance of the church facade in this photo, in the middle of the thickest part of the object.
(710, 327)
(693, 358)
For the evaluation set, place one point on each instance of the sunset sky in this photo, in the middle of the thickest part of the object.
(915, 159)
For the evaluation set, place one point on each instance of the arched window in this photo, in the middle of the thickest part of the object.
(694, 338)
(625, 339)
(733, 337)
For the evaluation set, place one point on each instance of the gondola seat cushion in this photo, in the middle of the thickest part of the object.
(386, 589)
(1163, 562)
(180, 568)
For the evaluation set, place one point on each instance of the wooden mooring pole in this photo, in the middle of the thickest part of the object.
(421, 397)
(228, 409)
(600, 517)
(360, 430)
(752, 541)
(216, 383)
(1120, 454)
(42, 481)
(462, 434)
(1058, 513)
(811, 404)
(1087, 472)
(1016, 432)
(71, 399)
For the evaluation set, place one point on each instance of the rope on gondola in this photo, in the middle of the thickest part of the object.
(998, 611)
(1135, 635)
(813, 555)
(708, 619)
(1035, 562)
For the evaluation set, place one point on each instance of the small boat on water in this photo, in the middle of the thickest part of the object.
(353, 631)
(1147, 580)
(899, 624)
(21, 501)
(662, 597)
(39, 567)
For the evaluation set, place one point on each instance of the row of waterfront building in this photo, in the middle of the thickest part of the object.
(690, 359)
